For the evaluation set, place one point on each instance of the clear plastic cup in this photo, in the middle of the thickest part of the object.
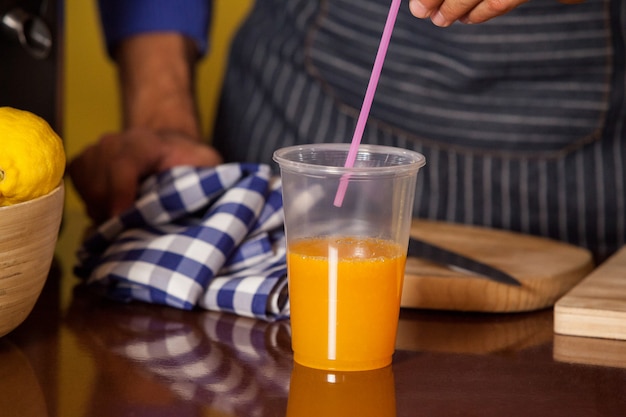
(346, 264)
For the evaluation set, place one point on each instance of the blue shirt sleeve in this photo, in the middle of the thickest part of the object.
(123, 18)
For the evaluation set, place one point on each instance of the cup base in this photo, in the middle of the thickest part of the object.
(342, 365)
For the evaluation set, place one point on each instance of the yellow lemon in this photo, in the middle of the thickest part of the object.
(32, 158)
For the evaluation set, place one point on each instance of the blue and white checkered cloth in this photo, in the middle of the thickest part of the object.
(209, 238)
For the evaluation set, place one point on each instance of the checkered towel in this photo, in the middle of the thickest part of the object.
(211, 238)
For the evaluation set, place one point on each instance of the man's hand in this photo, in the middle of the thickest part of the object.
(107, 174)
(445, 12)
(161, 128)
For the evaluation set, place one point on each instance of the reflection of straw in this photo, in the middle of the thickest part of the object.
(369, 97)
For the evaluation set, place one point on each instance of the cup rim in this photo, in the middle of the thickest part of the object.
(415, 160)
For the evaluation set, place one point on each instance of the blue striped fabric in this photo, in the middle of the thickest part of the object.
(209, 238)
(521, 119)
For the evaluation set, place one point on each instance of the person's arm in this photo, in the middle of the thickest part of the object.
(445, 12)
(155, 44)
(156, 73)
(161, 128)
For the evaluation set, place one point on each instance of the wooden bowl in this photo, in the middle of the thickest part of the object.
(28, 237)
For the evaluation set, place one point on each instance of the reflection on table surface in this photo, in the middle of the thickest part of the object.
(314, 392)
(80, 355)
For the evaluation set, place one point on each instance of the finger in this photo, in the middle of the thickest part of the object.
(189, 153)
(423, 8)
(123, 178)
(129, 159)
(488, 9)
(450, 11)
(91, 174)
(90, 187)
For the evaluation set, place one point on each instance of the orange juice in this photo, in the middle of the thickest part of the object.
(345, 299)
(325, 393)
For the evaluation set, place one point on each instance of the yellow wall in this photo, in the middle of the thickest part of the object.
(90, 96)
(91, 108)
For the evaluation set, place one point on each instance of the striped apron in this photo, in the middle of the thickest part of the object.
(521, 119)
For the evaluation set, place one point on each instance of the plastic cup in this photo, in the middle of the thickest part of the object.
(316, 393)
(346, 264)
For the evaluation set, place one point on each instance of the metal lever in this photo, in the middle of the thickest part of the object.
(29, 30)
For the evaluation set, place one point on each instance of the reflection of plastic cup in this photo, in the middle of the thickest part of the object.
(346, 264)
(315, 393)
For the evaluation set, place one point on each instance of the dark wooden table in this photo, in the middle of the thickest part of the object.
(80, 355)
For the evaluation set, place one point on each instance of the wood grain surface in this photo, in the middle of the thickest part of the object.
(546, 268)
(28, 236)
(590, 351)
(597, 306)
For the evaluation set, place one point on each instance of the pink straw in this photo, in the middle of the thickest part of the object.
(369, 97)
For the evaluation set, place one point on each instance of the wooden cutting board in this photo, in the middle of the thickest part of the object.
(597, 306)
(589, 351)
(546, 268)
